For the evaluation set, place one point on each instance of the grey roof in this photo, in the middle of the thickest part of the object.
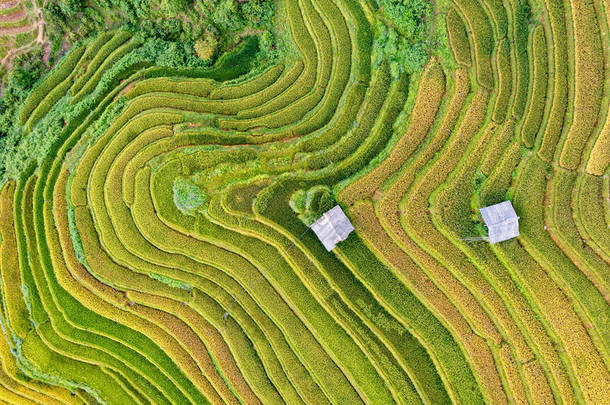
(501, 220)
(332, 227)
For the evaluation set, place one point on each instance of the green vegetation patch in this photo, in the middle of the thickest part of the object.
(402, 35)
(188, 197)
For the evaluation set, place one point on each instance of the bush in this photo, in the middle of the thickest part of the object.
(311, 204)
(17, 85)
(182, 21)
(407, 16)
(206, 48)
(188, 197)
(403, 55)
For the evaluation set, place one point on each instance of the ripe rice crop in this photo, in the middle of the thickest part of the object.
(155, 243)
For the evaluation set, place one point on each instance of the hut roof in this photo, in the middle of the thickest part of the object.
(501, 220)
(332, 227)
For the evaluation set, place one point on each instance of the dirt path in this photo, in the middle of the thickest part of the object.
(16, 16)
(16, 30)
(8, 4)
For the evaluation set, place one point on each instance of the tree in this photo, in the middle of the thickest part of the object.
(206, 48)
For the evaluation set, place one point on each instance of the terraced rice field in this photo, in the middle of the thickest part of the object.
(122, 250)
(21, 28)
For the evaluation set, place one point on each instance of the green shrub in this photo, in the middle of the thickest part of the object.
(407, 16)
(311, 204)
(403, 55)
(188, 197)
(206, 48)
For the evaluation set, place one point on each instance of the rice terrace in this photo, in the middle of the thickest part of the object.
(305, 202)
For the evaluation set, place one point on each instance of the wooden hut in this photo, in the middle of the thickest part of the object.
(332, 227)
(501, 220)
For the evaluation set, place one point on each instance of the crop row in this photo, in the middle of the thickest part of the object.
(262, 81)
(458, 38)
(493, 190)
(589, 214)
(539, 344)
(451, 214)
(107, 275)
(295, 228)
(436, 301)
(104, 267)
(427, 104)
(564, 232)
(331, 79)
(501, 142)
(483, 40)
(406, 349)
(96, 55)
(536, 103)
(556, 34)
(58, 329)
(377, 367)
(419, 367)
(137, 128)
(265, 292)
(307, 45)
(434, 250)
(407, 307)
(520, 16)
(32, 295)
(59, 74)
(15, 314)
(553, 301)
(96, 271)
(337, 86)
(308, 90)
(108, 237)
(345, 146)
(598, 159)
(588, 82)
(57, 263)
(157, 232)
